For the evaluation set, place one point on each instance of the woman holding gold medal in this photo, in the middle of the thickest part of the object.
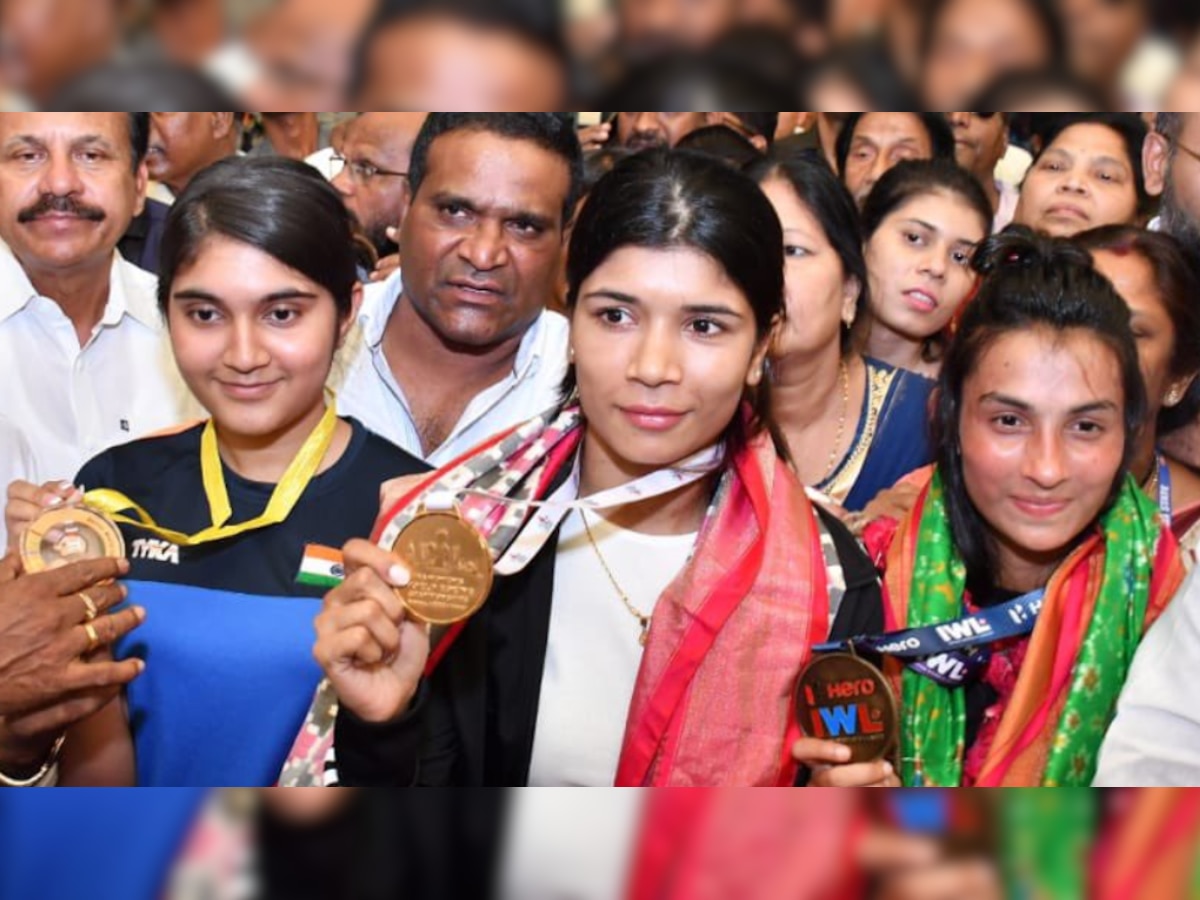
(1023, 580)
(258, 288)
(651, 633)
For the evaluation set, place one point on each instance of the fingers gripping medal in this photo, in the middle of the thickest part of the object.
(449, 561)
(71, 534)
(845, 699)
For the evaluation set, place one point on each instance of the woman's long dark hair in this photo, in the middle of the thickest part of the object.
(832, 205)
(1029, 281)
(664, 199)
(282, 207)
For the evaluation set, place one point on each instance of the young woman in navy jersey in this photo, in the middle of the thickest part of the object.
(259, 290)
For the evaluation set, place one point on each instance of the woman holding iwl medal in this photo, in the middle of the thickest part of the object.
(1031, 506)
(258, 289)
(654, 634)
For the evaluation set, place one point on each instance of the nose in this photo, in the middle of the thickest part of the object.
(935, 261)
(959, 120)
(344, 182)
(484, 246)
(1072, 182)
(244, 352)
(1045, 463)
(60, 177)
(656, 360)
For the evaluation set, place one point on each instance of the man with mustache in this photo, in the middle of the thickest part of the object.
(458, 345)
(83, 354)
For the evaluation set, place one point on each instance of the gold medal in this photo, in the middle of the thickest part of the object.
(450, 564)
(70, 534)
(845, 699)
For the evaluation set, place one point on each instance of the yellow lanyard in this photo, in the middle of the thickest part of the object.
(283, 500)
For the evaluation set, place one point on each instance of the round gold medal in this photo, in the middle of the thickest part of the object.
(71, 534)
(451, 568)
(845, 699)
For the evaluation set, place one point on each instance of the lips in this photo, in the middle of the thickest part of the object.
(484, 290)
(921, 300)
(652, 418)
(1067, 211)
(247, 391)
(1039, 507)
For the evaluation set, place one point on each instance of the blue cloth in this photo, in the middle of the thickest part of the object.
(228, 681)
(901, 443)
(91, 844)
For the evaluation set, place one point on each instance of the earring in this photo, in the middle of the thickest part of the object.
(571, 355)
(1174, 396)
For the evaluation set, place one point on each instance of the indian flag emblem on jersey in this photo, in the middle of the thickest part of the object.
(321, 567)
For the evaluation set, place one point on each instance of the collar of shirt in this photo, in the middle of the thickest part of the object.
(381, 300)
(131, 291)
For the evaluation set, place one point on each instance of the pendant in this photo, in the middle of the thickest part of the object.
(644, 638)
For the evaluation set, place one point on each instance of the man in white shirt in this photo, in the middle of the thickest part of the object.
(459, 345)
(980, 142)
(16, 464)
(1154, 741)
(84, 357)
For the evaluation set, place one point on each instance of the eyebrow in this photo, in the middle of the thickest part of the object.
(273, 297)
(1005, 400)
(507, 212)
(704, 309)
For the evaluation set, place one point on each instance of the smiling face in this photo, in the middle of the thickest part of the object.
(919, 263)
(665, 346)
(1042, 435)
(821, 299)
(68, 188)
(482, 240)
(254, 340)
(1083, 179)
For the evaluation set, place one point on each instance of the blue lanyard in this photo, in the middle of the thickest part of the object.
(953, 653)
(1164, 489)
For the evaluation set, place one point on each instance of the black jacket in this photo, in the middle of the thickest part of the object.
(473, 723)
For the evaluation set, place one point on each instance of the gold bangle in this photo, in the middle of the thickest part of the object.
(42, 775)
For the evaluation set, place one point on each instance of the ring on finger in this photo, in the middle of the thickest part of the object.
(90, 611)
(92, 636)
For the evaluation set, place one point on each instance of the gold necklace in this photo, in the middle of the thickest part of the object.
(841, 428)
(643, 619)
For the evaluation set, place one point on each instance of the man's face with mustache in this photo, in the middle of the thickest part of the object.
(68, 188)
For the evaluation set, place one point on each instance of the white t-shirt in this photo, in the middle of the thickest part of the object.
(368, 391)
(594, 653)
(16, 464)
(73, 402)
(1154, 741)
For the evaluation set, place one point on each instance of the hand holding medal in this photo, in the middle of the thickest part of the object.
(50, 527)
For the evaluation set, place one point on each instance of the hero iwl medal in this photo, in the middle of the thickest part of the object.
(70, 534)
(845, 699)
(450, 566)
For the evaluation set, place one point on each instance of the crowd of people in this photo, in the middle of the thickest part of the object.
(710, 400)
(525, 54)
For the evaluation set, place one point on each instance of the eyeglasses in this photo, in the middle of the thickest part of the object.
(1188, 150)
(364, 172)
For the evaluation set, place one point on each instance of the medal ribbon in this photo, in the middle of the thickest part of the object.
(287, 493)
(482, 500)
(948, 653)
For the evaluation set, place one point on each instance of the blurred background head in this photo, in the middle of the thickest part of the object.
(44, 44)
(483, 55)
(649, 28)
(1102, 36)
(303, 52)
(968, 44)
(870, 144)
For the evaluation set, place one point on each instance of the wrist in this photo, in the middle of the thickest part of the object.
(24, 766)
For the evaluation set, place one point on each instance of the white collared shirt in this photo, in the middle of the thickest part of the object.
(73, 402)
(16, 464)
(368, 391)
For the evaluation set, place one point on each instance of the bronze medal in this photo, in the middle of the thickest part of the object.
(71, 534)
(845, 699)
(450, 564)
